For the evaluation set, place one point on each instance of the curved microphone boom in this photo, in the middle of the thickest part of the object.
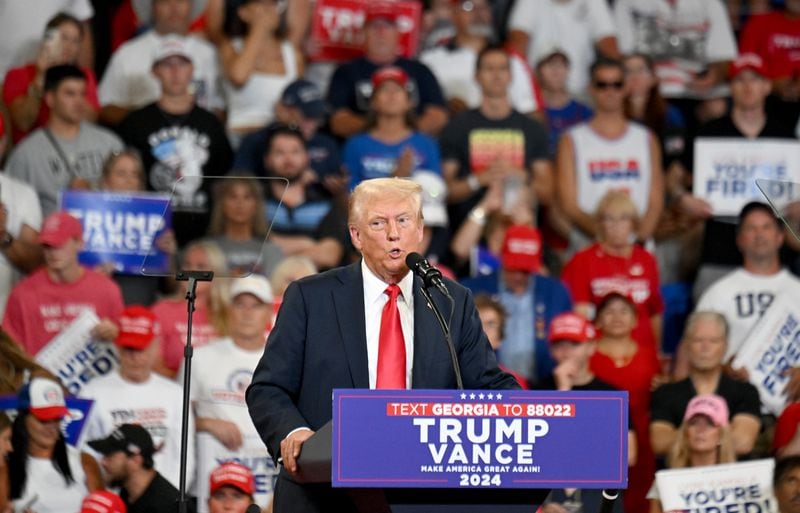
(431, 276)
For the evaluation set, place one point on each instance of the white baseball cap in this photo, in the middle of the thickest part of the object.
(254, 284)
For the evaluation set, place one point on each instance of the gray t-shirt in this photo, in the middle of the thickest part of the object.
(38, 162)
(255, 254)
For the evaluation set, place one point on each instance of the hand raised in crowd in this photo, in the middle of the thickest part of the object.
(291, 446)
(106, 329)
(521, 211)
(225, 431)
(405, 164)
(564, 374)
(257, 15)
(696, 208)
(552, 507)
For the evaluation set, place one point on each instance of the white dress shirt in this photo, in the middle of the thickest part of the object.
(374, 300)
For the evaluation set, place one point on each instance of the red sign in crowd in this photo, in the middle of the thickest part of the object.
(337, 29)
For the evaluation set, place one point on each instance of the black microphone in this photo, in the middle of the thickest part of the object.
(431, 276)
(253, 508)
(607, 501)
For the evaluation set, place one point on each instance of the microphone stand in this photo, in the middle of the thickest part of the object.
(192, 277)
(451, 348)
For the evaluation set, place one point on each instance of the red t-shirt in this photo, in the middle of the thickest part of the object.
(776, 39)
(19, 79)
(172, 318)
(636, 377)
(592, 273)
(39, 308)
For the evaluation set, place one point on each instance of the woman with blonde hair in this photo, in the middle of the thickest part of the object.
(704, 438)
(617, 263)
(239, 227)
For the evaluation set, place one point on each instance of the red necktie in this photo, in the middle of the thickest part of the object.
(391, 345)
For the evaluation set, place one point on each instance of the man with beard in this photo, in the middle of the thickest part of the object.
(305, 221)
(128, 463)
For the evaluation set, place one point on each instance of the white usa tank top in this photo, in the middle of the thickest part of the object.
(602, 165)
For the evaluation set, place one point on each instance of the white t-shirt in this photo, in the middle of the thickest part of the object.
(743, 297)
(22, 26)
(572, 25)
(681, 36)
(51, 492)
(22, 208)
(154, 404)
(603, 164)
(454, 69)
(129, 82)
(221, 373)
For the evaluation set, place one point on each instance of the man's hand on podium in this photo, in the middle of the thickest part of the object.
(291, 447)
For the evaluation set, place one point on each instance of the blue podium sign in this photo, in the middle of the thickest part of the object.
(120, 228)
(479, 439)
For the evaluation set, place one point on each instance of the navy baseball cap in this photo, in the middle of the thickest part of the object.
(307, 97)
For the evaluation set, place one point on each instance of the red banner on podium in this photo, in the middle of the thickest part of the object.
(337, 29)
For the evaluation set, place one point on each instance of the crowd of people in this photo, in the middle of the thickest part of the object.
(554, 142)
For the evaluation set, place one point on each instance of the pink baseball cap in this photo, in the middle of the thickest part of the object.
(58, 228)
(711, 405)
(572, 327)
(103, 501)
(138, 326)
(232, 474)
(522, 249)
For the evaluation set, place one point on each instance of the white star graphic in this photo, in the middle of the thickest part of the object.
(499, 396)
(472, 396)
(463, 396)
(490, 396)
(480, 396)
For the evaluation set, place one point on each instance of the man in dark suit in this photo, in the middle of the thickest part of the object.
(329, 332)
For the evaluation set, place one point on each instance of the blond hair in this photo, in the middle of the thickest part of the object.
(616, 200)
(680, 455)
(382, 188)
(218, 293)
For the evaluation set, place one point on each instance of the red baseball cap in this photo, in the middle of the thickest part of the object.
(103, 501)
(387, 74)
(44, 399)
(138, 327)
(747, 61)
(572, 327)
(522, 249)
(232, 474)
(381, 11)
(58, 228)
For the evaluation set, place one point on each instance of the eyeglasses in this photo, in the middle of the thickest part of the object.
(600, 84)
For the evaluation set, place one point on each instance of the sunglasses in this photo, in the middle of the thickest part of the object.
(599, 84)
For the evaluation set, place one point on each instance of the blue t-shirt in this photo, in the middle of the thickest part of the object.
(366, 157)
(560, 119)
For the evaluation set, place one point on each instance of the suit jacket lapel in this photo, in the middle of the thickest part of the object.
(348, 301)
(426, 333)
